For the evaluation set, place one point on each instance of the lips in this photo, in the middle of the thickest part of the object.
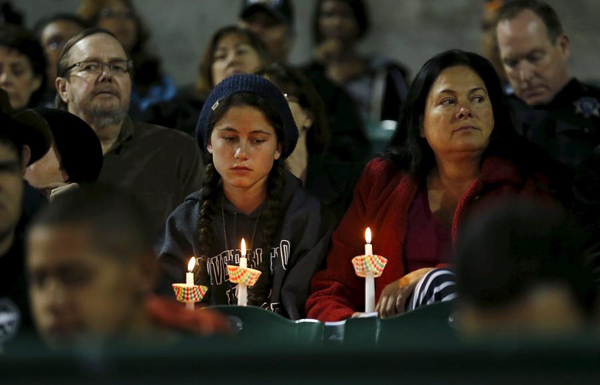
(240, 168)
(106, 91)
(465, 127)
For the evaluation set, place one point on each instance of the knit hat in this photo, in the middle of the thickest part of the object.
(252, 84)
(78, 147)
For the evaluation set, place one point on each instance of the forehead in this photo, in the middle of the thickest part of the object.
(12, 55)
(98, 46)
(526, 27)
(244, 119)
(61, 27)
(457, 78)
(231, 39)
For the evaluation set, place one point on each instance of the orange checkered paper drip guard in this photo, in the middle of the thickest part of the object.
(243, 275)
(364, 264)
(189, 293)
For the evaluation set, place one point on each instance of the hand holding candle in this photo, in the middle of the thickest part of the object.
(369, 266)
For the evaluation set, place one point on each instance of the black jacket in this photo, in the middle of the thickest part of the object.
(567, 128)
(299, 250)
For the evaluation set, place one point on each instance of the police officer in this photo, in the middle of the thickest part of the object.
(553, 110)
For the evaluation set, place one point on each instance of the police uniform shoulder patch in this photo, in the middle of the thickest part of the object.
(587, 106)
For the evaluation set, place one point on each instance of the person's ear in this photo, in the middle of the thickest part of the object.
(209, 147)
(278, 151)
(25, 157)
(37, 83)
(146, 273)
(62, 89)
(309, 121)
(565, 45)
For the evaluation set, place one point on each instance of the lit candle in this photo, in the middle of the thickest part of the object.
(369, 279)
(242, 288)
(189, 280)
(368, 245)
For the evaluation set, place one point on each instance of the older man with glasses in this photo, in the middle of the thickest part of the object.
(159, 166)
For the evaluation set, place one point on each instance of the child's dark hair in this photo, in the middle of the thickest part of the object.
(271, 214)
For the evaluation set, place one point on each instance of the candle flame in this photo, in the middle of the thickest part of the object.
(368, 235)
(243, 248)
(191, 264)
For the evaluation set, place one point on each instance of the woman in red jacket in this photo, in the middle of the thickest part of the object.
(455, 145)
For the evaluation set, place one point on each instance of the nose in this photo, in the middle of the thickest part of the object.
(525, 72)
(105, 72)
(240, 152)
(464, 112)
(5, 77)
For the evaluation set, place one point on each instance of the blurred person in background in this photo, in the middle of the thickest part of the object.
(273, 22)
(553, 110)
(489, 42)
(53, 32)
(455, 149)
(22, 67)
(92, 271)
(21, 144)
(159, 166)
(74, 158)
(231, 50)
(327, 178)
(520, 271)
(150, 84)
(378, 84)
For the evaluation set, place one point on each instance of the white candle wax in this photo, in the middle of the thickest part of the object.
(242, 288)
(368, 249)
(369, 293)
(189, 278)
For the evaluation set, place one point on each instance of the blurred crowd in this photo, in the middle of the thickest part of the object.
(479, 176)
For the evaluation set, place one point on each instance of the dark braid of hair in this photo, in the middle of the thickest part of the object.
(259, 294)
(209, 193)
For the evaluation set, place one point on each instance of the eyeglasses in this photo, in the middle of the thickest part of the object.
(95, 67)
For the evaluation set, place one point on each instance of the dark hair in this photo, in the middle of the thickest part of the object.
(545, 12)
(511, 248)
(410, 152)
(205, 82)
(359, 10)
(291, 81)
(63, 60)
(211, 189)
(25, 43)
(39, 27)
(118, 226)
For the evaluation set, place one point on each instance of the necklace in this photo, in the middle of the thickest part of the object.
(225, 225)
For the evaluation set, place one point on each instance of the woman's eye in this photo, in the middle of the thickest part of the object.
(478, 99)
(220, 56)
(259, 141)
(447, 102)
(230, 139)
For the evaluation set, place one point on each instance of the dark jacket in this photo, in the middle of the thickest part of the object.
(159, 167)
(299, 250)
(567, 128)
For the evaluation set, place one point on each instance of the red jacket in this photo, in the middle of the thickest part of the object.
(382, 199)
